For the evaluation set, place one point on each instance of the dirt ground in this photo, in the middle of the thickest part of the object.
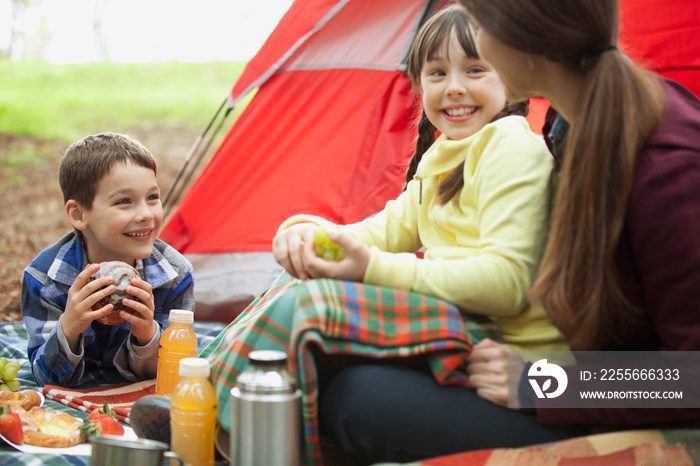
(31, 204)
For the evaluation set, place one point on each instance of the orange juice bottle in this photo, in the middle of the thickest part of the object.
(193, 415)
(177, 342)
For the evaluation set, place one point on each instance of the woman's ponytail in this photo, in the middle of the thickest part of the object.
(578, 282)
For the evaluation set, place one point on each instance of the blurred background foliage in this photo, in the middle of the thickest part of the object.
(155, 70)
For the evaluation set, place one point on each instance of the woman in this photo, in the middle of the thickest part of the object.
(621, 268)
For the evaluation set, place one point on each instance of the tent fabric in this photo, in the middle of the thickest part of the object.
(328, 132)
(663, 37)
(331, 129)
(280, 172)
(302, 20)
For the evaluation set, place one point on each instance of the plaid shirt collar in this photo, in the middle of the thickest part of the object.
(72, 259)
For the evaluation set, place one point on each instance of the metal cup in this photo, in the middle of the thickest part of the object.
(115, 451)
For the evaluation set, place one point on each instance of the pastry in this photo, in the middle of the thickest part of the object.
(24, 399)
(50, 428)
(122, 274)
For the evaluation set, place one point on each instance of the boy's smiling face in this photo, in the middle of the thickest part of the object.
(126, 215)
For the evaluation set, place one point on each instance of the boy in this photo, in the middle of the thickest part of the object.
(112, 201)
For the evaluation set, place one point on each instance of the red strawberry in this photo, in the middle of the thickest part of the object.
(11, 426)
(101, 424)
(105, 409)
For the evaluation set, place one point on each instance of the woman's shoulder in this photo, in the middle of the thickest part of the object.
(667, 170)
(679, 95)
(677, 139)
(680, 125)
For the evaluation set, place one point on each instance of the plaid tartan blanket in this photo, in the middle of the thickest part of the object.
(13, 346)
(341, 317)
(679, 447)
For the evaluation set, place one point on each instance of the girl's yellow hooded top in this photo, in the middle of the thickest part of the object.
(482, 248)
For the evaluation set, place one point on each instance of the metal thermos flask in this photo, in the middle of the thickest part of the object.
(265, 413)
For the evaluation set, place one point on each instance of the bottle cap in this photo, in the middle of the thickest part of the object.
(193, 367)
(181, 316)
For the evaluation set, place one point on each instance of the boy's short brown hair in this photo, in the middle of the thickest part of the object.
(87, 161)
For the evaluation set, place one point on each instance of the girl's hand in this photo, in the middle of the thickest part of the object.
(352, 267)
(288, 246)
(82, 295)
(142, 325)
(488, 373)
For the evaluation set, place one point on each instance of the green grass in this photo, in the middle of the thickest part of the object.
(66, 102)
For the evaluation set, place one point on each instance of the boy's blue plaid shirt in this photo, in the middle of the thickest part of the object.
(44, 293)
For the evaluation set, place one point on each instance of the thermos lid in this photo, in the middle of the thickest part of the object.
(266, 374)
(267, 357)
(181, 315)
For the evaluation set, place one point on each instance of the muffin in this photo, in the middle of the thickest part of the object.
(122, 273)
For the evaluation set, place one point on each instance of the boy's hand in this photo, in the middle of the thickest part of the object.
(82, 295)
(142, 325)
(351, 267)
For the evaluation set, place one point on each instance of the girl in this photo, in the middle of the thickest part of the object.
(477, 203)
(469, 200)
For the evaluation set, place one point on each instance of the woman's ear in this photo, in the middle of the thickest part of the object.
(75, 214)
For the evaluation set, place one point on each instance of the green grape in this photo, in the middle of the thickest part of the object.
(14, 364)
(326, 248)
(9, 373)
(321, 237)
(13, 385)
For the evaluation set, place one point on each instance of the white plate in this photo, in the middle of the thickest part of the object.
(41, 395)
(83, 449)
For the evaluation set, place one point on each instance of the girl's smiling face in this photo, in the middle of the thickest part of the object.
(125, 217)
(460, 94)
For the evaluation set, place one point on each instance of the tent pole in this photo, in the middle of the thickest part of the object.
(193, 149)
(198, 161)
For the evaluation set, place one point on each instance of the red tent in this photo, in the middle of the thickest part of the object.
(663, 36)
(329, 131)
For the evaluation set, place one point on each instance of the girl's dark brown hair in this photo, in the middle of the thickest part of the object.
(620, 106)
(433, 36)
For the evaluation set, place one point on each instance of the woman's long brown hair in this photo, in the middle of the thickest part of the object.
(620, 106)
